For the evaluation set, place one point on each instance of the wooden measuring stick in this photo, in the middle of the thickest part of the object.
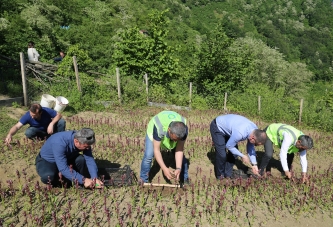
(162, 185)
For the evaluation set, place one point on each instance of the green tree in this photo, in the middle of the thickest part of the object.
(220, 70)
(138, 52)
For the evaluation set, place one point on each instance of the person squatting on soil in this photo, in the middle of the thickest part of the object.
(33, 54)
(43, 122)
(226, 131)
(167, 131)
(290, 140)
(60, 159)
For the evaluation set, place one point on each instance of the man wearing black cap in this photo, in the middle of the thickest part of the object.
(60, 159)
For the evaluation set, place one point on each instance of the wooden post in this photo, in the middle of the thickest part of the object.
(259, 104)
(118, 84)
(77, 74)
(146, 80)
(24, 79)
(225, 101)
(300, 112)
(190, 102)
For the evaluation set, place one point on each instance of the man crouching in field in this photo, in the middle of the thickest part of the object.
(60, 159)
(166, 130)
(291, 141)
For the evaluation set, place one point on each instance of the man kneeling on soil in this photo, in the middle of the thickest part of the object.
(43, 122)
(60, 159)
(166, 130)
(290, 141)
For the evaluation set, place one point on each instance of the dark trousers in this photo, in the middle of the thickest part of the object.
(33, 132)
(49, 173)
(224, 161)
(269, 154)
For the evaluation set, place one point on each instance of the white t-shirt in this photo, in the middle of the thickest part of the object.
(33, 54)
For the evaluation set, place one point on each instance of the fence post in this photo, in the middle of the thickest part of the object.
(300, 112)
(77, 74)
(190, 101)
(225, 102)
(146, 80)
(259, 104)
(118, 84)
(24, 79)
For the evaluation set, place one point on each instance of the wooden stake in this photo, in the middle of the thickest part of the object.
(259, 104)
(118, 84)
(77, 74)
(225, 102)
(24, 79)
(146, 79)
(300, 112)
(190, 102)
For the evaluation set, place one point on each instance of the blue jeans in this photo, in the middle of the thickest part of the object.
(33, 132)
(148, 157)
(224, 162)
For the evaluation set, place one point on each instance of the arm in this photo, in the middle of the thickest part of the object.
(252, 155)
(287, 142)
(232, 142)
(231, 146)
(59, 154)
(304, 164)
(92, 168)
(179, 154)
(159, 159)
(12, 132)
(36, 52)
(51, 125)
(251, 152)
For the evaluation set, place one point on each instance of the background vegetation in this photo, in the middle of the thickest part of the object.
(279, 50)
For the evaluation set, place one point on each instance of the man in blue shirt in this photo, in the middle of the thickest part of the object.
(226, 131)
(60, 159)
(43, 123)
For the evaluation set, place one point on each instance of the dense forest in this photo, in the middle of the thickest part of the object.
(280, 50)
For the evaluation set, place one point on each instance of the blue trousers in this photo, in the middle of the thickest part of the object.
(33, 132)
(224, 162)
(148, 157)
(49, 173)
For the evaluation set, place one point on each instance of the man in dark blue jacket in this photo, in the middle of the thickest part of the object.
(60, 157)
(43, 122)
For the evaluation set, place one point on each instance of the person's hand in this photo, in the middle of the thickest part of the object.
(8, 139)
(255, 170)
(288, 174)
(246, 160)
(177, 174)
(50, 129)
(168, 174)
(88, 183)
(99, 184)
(305, 178)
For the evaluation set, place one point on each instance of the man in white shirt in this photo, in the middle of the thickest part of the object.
(290, 140)
(32, 52)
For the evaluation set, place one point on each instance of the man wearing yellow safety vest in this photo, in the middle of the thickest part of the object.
(290, 140)
(167, 131)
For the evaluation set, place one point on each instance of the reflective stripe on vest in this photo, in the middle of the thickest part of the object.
(159, 125)
(287, 129)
